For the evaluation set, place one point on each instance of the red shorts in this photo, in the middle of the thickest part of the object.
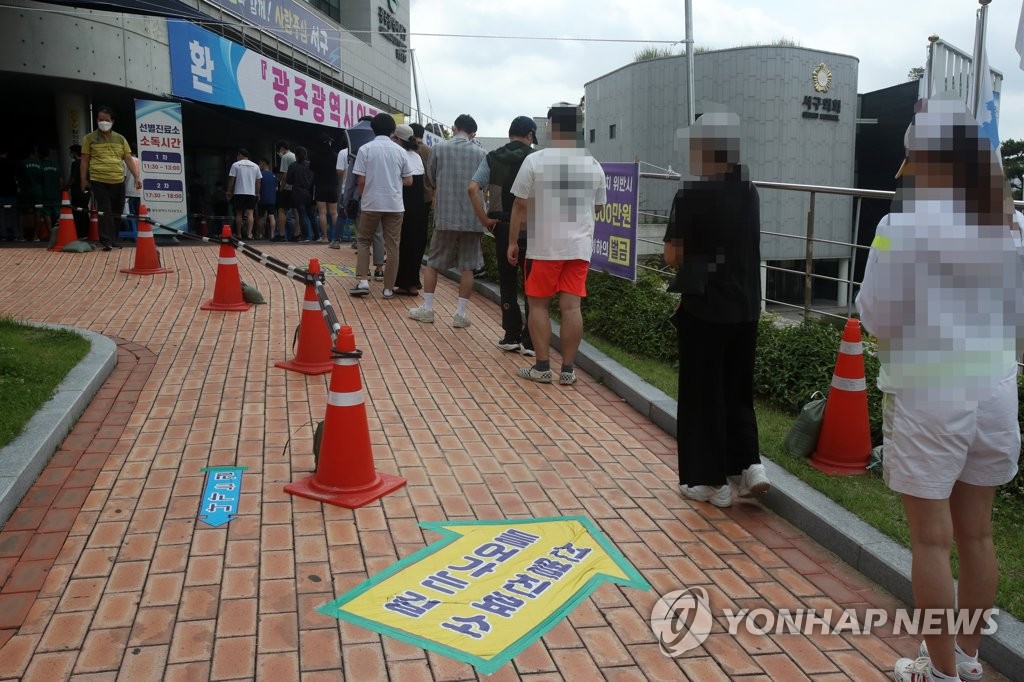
(545, 278)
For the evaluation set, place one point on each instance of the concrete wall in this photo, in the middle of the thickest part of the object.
(766, 87)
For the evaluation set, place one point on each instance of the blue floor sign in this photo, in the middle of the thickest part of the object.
(221, 494)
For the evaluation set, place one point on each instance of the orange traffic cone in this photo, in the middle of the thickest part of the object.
(94, 226)
(147, 260)
(345, 475)
(844, 444)
(313, 355)
(66, 232)
(227, 292)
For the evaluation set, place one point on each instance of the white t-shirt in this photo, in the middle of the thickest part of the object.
(342, 160)
(129, 179)
(562, 186)
(383, 163)
(287, 159)
(245, 173)
(415, 162)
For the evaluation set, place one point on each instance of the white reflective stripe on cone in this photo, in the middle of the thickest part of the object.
(311, 305)
(144, 234)
(344, 362)
(228, 261)
(345, 399)
(849, 384)
(851, 348)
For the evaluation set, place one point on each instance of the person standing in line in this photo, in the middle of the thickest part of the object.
(343, 222)
(104, 157)
(414, 221)
(496, 174)
(557, 192)
(51, 189)
(267, 206)
(30, 186)
(79, 199)
(324, 161)
(456, 230)
(244, 181)
(382, 169)
(133, 197)
(300, 178)
(424, 151)
(941, 294)
(719, 278)
(285, 205)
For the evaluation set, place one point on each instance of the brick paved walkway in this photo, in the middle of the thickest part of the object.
(106, 573)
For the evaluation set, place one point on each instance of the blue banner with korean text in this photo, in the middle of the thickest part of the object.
(615, 225)
(292, 22)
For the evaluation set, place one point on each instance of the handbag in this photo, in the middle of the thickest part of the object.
(802, 438)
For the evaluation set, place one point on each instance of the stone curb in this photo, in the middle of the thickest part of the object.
(22, 460)
(864, 548)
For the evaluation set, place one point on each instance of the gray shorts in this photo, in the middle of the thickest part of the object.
(443, 245)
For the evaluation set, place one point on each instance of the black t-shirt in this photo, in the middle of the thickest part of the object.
(323, 162)
(719, 223)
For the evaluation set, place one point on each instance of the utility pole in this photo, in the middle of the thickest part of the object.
(415, 86)
(690, 114)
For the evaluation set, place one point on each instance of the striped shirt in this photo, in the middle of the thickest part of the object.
(450, 169)
(106, 156)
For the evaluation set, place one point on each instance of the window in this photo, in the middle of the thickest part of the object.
(611, 132)
(331, 8)
(593, 134)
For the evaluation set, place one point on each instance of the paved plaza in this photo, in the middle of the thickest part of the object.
(108, 574)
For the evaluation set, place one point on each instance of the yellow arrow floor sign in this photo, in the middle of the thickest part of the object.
(487, 589)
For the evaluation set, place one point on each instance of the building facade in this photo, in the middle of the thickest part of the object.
(798, 111)
(327, 61)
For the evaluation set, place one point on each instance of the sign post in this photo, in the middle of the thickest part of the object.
(162, 162)
(615, 226)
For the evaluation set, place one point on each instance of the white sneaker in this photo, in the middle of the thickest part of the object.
(968, 667)
(752, 482)
(421, 314)
(460, 321)
(720, 497)
(911, 670)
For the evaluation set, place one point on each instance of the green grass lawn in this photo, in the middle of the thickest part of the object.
(866, 496)
(33, 361)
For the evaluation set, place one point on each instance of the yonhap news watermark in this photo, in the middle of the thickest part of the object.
(682, 620)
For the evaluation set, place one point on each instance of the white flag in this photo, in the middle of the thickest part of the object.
(988, 105)
(1020, 37)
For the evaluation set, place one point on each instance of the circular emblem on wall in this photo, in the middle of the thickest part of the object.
(393, 6)
(821, 77)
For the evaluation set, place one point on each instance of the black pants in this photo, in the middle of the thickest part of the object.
(81, 201)
(411, 247)
(110, 202)
(716, 425)
(508, 279)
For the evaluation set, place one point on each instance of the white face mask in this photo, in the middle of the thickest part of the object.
(105, 126)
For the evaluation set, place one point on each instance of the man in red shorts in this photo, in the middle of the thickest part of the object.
(558, 191)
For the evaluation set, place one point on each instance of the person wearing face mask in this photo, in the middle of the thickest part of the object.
(105, 155)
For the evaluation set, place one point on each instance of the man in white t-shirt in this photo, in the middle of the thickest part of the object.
(382, 169)
(244, 180)
(558, 192)
(342, 224)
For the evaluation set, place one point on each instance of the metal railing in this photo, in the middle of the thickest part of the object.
(807, 307)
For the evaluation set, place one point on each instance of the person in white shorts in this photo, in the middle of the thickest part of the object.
(940, 294)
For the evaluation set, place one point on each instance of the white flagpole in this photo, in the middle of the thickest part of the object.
(690, 113)
(979, 59)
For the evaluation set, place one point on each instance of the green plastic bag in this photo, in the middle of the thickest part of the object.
(802, 438)
(251, 294)
(78, 246)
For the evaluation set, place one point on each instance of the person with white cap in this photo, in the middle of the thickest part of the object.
(713, 239)
(414, 220)
(941, 295)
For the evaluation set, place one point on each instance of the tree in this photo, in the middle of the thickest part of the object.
(652, 52)
(915, 74)
(1012, 152)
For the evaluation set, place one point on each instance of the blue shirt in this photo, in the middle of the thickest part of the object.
(268, 188)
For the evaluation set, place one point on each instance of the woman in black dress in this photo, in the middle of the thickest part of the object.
(414, 224)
